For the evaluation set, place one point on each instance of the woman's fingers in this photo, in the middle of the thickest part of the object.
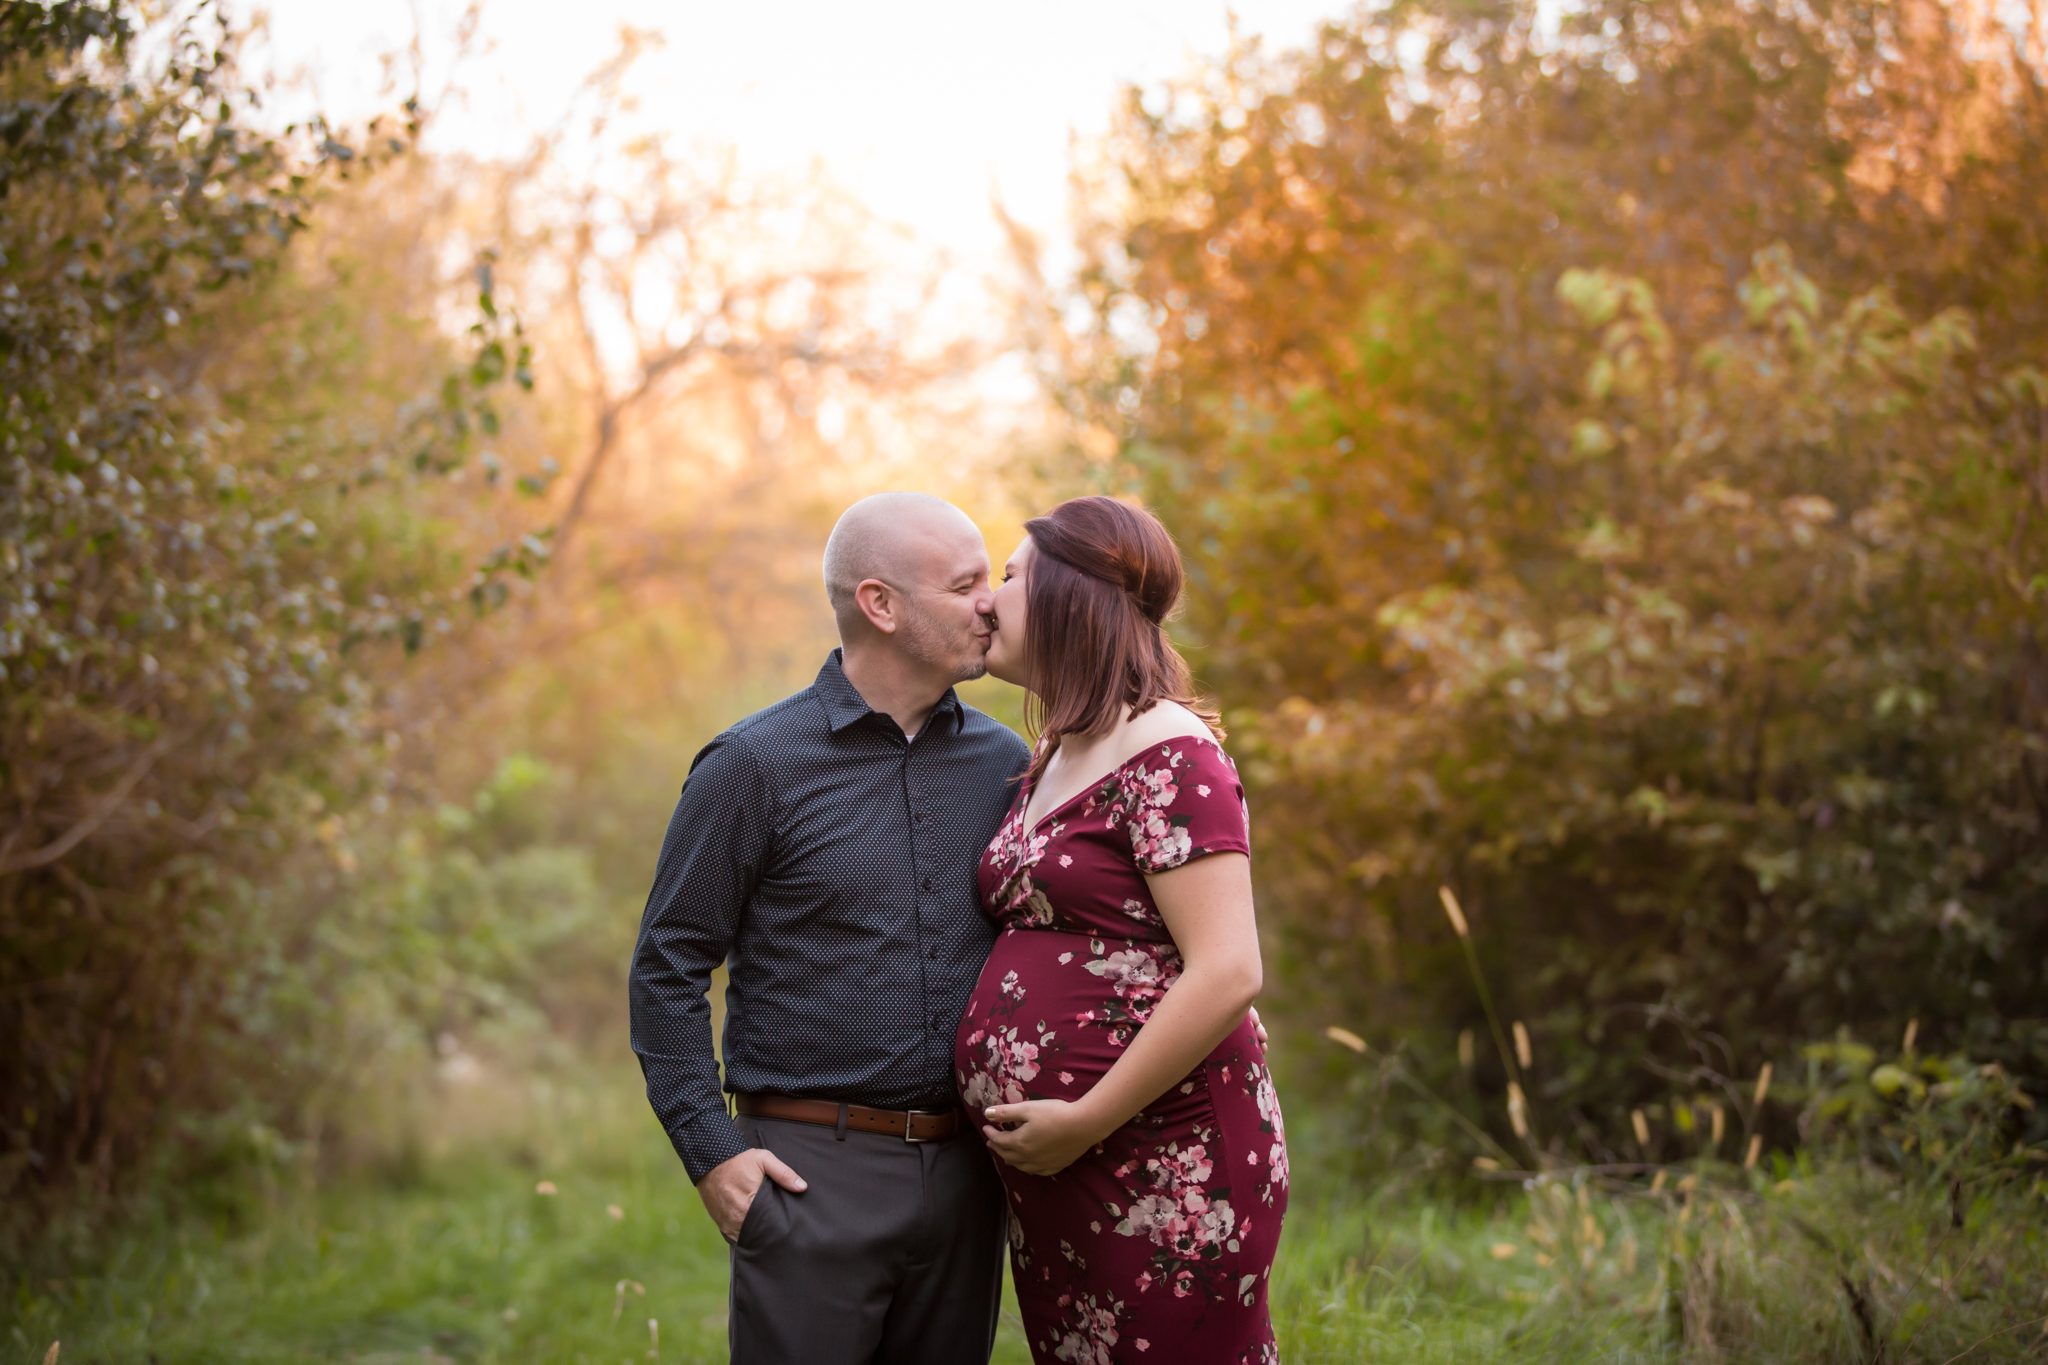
(1018, 1161)
(1023, 1152)
(1009, 1141)
(1026, 1136)
(1004, 1145)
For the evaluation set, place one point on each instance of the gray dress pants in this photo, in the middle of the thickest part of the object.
(894, 1255)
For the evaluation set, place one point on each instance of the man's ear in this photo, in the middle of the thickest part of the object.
(877, 602)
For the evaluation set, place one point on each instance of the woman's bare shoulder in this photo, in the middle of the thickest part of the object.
(1168, 720)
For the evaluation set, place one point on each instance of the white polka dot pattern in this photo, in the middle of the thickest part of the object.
(832, 862)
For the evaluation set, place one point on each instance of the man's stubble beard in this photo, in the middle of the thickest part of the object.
(928, 640)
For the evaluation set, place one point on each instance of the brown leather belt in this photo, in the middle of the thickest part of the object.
(912, 1125)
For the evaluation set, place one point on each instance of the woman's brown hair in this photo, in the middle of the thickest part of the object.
(1103, 577)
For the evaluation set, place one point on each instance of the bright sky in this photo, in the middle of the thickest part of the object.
(921, 107)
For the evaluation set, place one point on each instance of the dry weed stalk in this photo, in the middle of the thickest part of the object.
(1518, 1108)
(1744, 1272)
(619, 1303)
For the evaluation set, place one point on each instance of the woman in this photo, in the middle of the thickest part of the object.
(1106, 1049)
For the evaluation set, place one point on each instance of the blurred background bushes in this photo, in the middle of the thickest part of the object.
(1611, 462)
(226, 436)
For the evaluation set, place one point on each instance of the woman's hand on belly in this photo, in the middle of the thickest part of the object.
(1049, 1137)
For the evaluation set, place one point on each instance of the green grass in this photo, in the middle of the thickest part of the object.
(1416, 1282)
(465, 1262)
(449, 1254)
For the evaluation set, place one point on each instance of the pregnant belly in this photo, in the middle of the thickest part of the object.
(1053, 1011)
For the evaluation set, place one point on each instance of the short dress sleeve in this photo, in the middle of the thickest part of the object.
(1180, 801)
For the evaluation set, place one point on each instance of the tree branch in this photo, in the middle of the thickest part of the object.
(78, 833)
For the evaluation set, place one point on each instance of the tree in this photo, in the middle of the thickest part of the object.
(219, 518)
(1706, 665)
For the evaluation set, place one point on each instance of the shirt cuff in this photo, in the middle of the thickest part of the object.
(707, 1141)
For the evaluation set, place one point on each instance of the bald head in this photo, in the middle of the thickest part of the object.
(907, 540)
(908, 577)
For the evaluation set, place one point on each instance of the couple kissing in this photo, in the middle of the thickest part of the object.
(978, 994)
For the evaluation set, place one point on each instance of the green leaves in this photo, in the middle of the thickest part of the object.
(1636, 521)
(536, 485)
(489, 366)
(220, 491)
(1591, 439)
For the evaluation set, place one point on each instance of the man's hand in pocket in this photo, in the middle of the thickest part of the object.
(728, 1188)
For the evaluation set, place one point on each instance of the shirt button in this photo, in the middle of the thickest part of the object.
(934, 952)
(926, 883)
(935, 1019)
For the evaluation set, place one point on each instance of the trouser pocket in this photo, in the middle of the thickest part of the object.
(767, 1218)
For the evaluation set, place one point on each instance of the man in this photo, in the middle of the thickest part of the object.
(828, 847)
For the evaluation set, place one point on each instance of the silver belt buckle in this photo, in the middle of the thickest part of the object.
(910, 1114)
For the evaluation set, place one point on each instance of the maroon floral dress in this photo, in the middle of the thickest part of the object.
(1157, 1244)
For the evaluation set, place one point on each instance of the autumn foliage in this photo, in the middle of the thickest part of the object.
(221, 512)
(1611, 463)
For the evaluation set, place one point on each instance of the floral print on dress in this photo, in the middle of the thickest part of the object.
(1158, 1243)
(1091, 1336)
(1006, 1060)
(1141, 797)
(1143, 912)
(1138, 975)
(1268, 1100)
(1017, 895)
(1186, 1217)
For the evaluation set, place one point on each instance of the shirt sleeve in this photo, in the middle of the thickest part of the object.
(1186, 803)
(711, 860)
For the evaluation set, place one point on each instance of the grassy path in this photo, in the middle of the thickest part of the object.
(471, 1265)
(464, 1260)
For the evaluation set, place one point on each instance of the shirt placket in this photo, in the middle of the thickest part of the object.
(924, 866)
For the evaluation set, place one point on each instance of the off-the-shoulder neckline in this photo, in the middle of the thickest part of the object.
(1093, 787)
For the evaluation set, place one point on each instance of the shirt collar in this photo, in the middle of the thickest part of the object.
(845, 706)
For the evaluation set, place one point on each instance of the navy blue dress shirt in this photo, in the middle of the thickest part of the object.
(830, 863)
